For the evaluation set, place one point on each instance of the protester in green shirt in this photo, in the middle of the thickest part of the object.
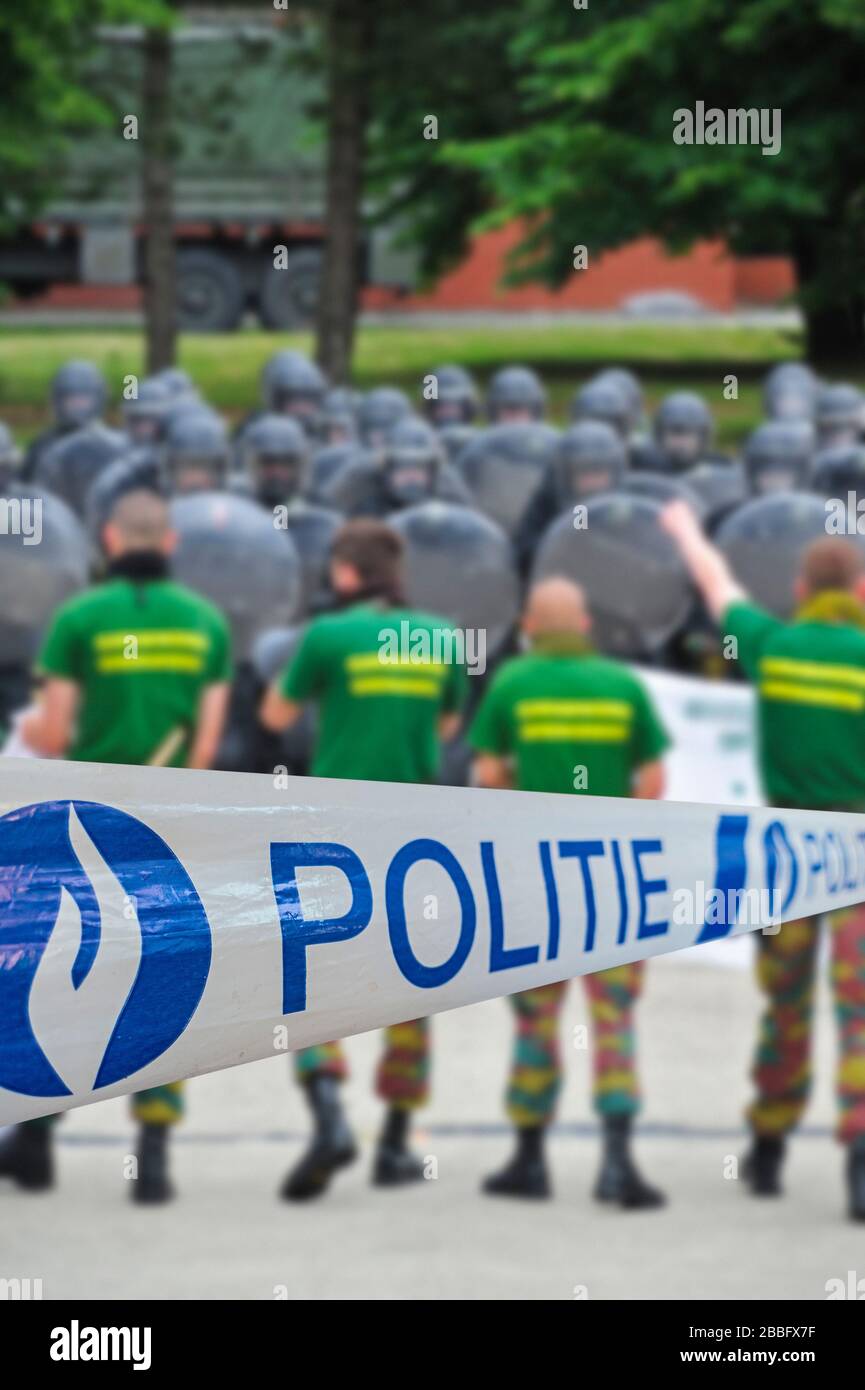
(810, 681)
(136, 670)
(563, 719)
(378, 718)
(387, 691)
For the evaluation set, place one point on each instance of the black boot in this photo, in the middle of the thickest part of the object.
(619, 1179)
(856, 1177)
(153, 1184)
(27, 1156)
(332, 1145)
(762, 1167)
(526, 1174)
(395, 1164)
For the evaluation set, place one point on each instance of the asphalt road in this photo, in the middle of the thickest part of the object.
(228, 1236)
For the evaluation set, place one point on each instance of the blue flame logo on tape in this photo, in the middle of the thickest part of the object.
(37, 862)
(780, 868)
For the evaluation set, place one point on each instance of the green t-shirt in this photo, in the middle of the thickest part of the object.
(381, 677)
(810, 679)
(559, 710)
(142, 653)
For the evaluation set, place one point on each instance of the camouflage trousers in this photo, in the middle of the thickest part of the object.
(536, 1070)
(160, 1105)
(786, 972)
(402, 1078)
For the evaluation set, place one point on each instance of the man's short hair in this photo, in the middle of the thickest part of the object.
(832, 563)
(142, 518)
(375, 550)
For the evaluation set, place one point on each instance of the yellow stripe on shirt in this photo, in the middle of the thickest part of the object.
(153, 637)
(385, 685)
(812, 670)
(160, 661)
(822, 696)
(372, 661)
(600, 709)
(572, 731)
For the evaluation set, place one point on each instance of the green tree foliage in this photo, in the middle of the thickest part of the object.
(588, 156)
(46, 102)
(456, 61)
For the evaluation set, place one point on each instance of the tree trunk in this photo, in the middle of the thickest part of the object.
(834, 334)
(348, 41)
(157, 196)
(832, 301)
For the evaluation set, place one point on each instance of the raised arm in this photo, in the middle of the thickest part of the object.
(709, 569)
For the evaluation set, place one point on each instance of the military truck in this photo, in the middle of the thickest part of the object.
(248, 179)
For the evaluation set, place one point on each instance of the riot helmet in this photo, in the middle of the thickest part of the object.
(515, 395)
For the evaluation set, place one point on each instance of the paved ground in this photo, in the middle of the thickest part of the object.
(97, 315)
(228, 1237)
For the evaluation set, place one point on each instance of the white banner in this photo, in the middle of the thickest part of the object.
(155, 924)
(713, 727)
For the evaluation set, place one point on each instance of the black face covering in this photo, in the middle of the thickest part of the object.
(389, 596)
(144, 429)
(197, 475)
(451, 412)
(581, 481)
(277, 483)
(138, 565)
(409, 480)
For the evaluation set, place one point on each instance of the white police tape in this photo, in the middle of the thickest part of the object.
(156, 924)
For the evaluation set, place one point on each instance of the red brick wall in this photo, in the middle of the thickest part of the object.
(708, 272)
(764, 280)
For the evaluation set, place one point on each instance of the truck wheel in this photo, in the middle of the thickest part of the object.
(210, 293)
(288, 296)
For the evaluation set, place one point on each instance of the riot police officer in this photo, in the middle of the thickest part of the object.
(408, 467)
(338, 417)
(682, 435)
(589, 458)
(196, 451)
(453, 398)
(515, 396)
(292, 385)
(79, 395)
(275, 457)
(789, 392)
(606, 400)
(379, 411)
(146, 414)
(779, 456)
(839, 415)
